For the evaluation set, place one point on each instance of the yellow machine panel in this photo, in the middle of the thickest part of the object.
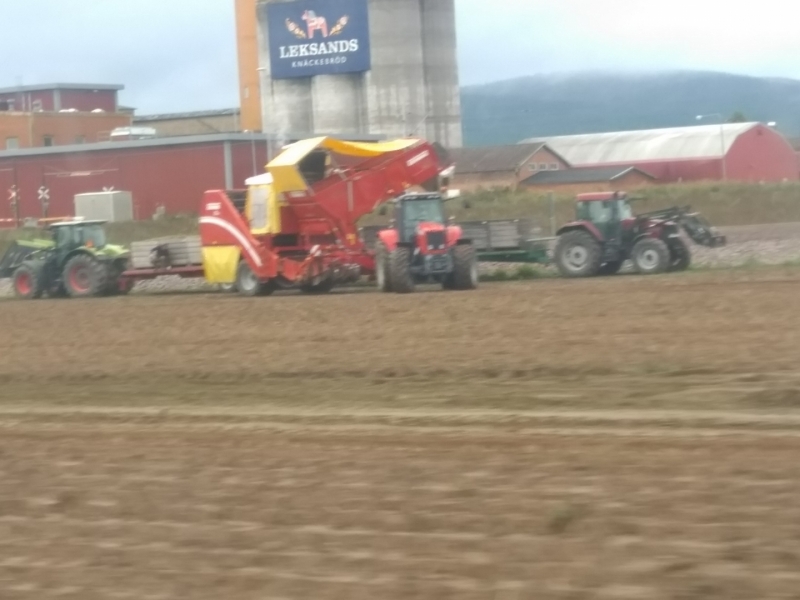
(220, 263)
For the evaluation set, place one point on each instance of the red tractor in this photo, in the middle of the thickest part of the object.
(606, 233)
(420, 246)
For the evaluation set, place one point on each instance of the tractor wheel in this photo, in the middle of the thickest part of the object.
(400, 270)
(117, 286)
(465, 269)
(650, 256)
(248, 284)
(121, 287)
(680, 255)
(382, 269)
(578, 254)
(28, 282)
(85, 277)
(610, 268)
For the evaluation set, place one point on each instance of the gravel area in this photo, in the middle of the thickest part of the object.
(773, 244)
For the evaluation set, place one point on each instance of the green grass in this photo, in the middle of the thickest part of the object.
(722, 204)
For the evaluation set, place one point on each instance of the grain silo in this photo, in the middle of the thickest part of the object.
(359, 67)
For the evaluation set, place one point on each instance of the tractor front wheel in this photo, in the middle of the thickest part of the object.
(382, 269)
(680, 255)
(651, 256)
(465, 269)
(400, 270)
(578, 254)
(85, 277)
(248, 284)
(28, 282)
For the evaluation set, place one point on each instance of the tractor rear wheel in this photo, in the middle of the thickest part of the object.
(400, 270)
(650, 256)
(85, 277)
(465, 269)
(382, 268)
(247, 282)
(610, 268)
(28, 284)
(578, 254)
(680, 255)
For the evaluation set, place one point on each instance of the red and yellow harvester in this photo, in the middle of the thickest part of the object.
(297, 226)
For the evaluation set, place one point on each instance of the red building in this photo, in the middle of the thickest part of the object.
(169, 172)
(748, 152)
(56, 97)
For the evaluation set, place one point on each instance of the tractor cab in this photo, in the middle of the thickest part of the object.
(71, 235)
(415, 214)
(609, 212)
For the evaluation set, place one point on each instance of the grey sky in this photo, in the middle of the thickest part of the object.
(180, 54)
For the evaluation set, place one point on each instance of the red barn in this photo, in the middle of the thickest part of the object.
(169, 172)
(749, 152)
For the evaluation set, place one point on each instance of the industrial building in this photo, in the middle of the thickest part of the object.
(502, 166)
(591, 179)
(206, 122)
(59, 114)
(747, 152)
(359, 67)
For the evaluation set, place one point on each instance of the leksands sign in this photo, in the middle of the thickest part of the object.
(318, 37)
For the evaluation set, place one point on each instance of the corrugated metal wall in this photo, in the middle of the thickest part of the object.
(175, 177)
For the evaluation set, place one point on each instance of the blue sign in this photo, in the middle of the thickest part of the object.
(318, 37)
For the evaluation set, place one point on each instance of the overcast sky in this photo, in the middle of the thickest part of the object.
(180, 54)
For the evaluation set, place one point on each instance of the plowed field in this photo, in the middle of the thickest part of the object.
(610, 438)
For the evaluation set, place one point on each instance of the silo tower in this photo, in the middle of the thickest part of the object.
(356, 67)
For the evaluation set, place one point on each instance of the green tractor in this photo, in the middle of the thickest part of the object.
(77, 263)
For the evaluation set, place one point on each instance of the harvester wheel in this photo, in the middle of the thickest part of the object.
(651, 256)
(85, 277)
(578, 254)
(382, 269)
(465, 269)
(680, 255)
(610, 268)
(248, 284)
(400, 270)
(28, 282)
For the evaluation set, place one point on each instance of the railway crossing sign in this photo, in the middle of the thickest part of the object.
(13, 195)
(109, 188)
(44, 198)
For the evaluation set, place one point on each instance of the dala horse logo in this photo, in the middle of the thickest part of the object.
(314, 24)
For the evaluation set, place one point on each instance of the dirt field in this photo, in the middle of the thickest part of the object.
(610, 438)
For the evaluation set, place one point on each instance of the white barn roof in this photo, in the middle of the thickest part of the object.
(702, 141)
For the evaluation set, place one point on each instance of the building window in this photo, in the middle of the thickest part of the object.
(532, 167)
(12, 143)
(554, 166)
(543, 166)
(37, 106)
(47, 140)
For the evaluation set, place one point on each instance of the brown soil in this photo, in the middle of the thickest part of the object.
(611, 438)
